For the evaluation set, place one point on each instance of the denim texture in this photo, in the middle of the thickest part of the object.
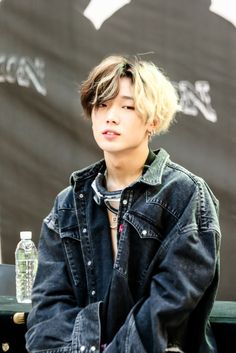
(157, 295)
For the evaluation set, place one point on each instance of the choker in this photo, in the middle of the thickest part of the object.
(104, 197)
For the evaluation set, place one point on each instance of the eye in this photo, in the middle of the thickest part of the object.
(129, 107)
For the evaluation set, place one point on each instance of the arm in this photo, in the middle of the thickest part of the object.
(187, 274)
(56, 323)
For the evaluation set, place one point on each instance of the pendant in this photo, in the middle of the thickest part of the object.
(113, 223)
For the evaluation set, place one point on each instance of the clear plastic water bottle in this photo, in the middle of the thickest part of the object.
(26, 260)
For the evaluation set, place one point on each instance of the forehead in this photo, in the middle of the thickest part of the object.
(126, 89)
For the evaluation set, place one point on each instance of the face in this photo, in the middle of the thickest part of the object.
(117, 126)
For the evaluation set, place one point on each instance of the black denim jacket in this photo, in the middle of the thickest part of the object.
(157, 295)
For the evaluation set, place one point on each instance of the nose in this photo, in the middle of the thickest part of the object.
(112, 116)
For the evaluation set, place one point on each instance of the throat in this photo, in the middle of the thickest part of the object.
(115, 183)
(125, 169)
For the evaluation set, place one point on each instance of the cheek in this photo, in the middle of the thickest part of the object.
(94, 121)
(95, 129)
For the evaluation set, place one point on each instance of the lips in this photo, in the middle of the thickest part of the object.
(110, 133)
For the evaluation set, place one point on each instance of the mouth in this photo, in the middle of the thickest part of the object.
(110, 133)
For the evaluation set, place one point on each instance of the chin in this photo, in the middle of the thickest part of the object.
(108, 147)
(112, 150)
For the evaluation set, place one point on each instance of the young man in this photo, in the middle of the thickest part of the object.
(128, 256)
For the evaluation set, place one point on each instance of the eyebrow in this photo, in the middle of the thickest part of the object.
(127, 97)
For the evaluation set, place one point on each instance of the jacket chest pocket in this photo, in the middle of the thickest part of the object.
(144, 227)
(72, 248)
(144, 243)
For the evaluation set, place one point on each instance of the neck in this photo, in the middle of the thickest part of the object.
(122, 170)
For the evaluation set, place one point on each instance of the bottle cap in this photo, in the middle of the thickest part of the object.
(26, 235)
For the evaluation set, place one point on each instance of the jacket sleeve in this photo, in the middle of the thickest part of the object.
(187, 270)
(56, 323)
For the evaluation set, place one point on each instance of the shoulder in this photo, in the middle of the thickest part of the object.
(191, 192)
(65, 198)
(175, 185)
(182, 174)
(186, 178)
(183, 180)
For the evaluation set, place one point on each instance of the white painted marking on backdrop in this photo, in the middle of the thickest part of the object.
(196, 98)
(98, 11)
(225, 9)
(24, 71)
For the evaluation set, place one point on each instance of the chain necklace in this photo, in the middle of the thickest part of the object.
(113, 214)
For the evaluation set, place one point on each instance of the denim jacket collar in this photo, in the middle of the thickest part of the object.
(152, 176)
(90, 171)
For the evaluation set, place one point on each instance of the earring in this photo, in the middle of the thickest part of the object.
(151, 133)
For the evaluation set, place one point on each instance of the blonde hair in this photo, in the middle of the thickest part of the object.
(155, 97)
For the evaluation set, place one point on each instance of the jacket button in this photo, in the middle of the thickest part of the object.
(93, 292)
(84, 230)
(124, 202)
(89, 263)
(82, 349)
(144, 232)
(93, 349)
(81, 196)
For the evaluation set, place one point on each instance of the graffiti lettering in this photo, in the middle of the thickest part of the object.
(23, 71)
(195, 99)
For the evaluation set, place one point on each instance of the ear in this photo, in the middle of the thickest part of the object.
(152, 126)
